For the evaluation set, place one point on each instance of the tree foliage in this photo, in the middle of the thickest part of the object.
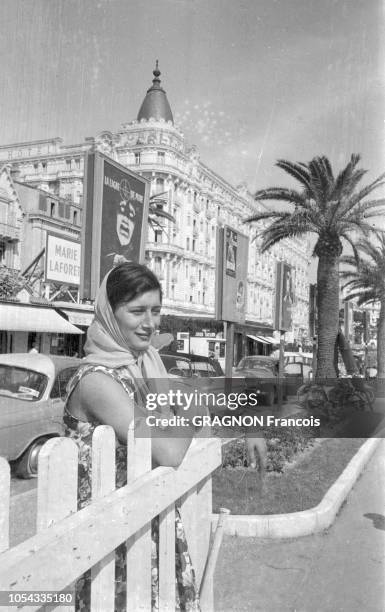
(364, 280)
(335, 208)
(10, 282)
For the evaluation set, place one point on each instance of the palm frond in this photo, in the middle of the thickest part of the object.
(281, 194)
(298, 171)
(365, 297)
(271, 214)
(158, 212)
(343, 178)
(320, 180)
(291, 227)
(365, 191)
(352, 243)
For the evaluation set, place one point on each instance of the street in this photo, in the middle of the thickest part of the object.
(341, 570)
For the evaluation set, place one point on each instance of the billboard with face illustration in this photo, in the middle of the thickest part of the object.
(115, 224)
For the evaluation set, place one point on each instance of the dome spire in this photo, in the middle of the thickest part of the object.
(155, 104)
(156, 74)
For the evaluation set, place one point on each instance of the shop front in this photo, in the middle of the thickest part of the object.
(206, 336)
(24, 327)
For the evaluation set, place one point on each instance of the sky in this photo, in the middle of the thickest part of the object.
(248, 81)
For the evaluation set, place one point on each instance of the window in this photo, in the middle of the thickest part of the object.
(68, 164)
(137, 158)
(193, 245)
(36, 167)
(188, 243)
(52, 211)
(158, 236)
(2, 251)
(75, 217)
(60, 384)
(159, 183)
(161, 157)
(158, 265)
(22, 383)
(199, 275)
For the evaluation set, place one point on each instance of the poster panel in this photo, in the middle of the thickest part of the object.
(115, 225)
(231, 278)
(284, 297)
(62, 260)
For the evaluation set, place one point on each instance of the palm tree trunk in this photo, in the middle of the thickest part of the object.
(381, 342)
(328, 289)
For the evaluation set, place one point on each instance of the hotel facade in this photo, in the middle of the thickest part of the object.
(182, 254)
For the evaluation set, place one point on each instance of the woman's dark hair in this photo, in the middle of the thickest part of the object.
(128, 280)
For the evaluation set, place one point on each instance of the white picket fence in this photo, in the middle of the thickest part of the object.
(69, 542)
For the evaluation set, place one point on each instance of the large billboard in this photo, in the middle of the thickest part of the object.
(115, 223)
(62, 260)
(284, 297)
(231, 278)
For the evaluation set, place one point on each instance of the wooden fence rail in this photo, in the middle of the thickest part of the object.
(69, 542)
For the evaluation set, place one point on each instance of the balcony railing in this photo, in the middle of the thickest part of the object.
(161, 247)
(9, 232)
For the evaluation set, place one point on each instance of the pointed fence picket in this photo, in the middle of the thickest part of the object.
(5, 484)
(69, 542)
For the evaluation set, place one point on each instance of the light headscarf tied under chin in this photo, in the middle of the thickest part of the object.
(106, 345)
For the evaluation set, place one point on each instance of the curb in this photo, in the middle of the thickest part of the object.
(306, 522)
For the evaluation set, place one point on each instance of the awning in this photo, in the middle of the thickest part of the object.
(78, 317)
(253, 338)
(15, 317)
(260, 339)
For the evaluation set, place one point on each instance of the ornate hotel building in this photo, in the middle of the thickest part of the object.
(183, 255)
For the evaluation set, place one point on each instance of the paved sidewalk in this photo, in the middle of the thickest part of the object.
(342, 570)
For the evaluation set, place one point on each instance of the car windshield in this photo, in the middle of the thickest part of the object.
(204, 368)
(22, 383)
(250, 363)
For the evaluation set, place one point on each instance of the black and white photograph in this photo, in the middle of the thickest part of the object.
(192, 305)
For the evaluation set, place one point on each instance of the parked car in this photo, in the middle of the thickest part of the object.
(296, 371)
(32, 390)
(261, 374)
(201, 373)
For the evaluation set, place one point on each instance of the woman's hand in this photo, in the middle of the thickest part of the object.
(256, 449)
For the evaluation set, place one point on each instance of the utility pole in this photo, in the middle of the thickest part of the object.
(281, 367)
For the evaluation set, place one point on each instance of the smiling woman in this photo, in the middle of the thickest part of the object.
(110, 388)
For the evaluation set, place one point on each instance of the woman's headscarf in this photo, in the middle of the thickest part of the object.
(106, 345)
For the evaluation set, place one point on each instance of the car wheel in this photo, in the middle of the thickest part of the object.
(269, 398)
(26, 467)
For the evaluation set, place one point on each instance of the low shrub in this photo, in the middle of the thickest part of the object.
(282, 444)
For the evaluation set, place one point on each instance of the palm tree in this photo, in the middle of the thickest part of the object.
(365, 281)
(334, 209)
(156, 212)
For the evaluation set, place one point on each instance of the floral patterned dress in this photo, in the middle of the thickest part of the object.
(81, 432)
